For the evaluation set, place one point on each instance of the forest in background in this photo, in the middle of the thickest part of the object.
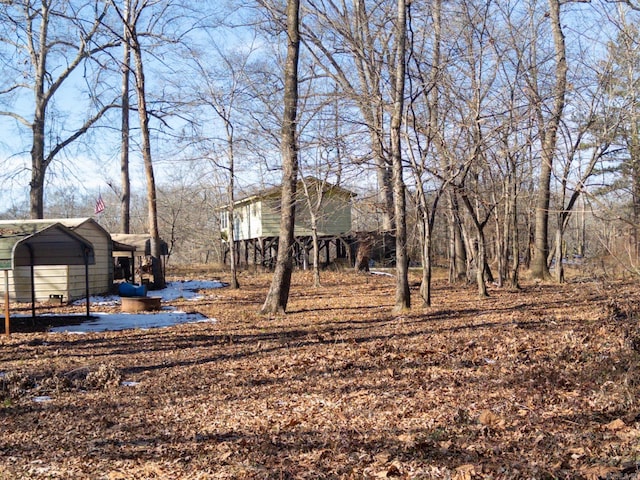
(519, 121)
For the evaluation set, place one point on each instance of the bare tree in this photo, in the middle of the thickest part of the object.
(314, 195)
(570, 194)
(223, 98)
(130, 19)
(321, 165)
(125, 196)
(353, 44)
(548, 125)
(403, 294)
(278, 295)
(185, 203)
(619, 79)
(425, 132)
(51, 40)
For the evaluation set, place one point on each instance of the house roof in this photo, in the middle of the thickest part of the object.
(141, 243)
(311, 181)
(74, 223)
(41, 242)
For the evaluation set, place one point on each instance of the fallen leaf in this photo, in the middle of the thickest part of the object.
(224, 456)
(446, 444)
(617, 424)
(394, 470)
(464, 472)
(628, 435)
(598, 471)
(407, 438)
(490, 419)
(577, 453)
(383, 457)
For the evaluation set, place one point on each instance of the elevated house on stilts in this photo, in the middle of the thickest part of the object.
(256, 225)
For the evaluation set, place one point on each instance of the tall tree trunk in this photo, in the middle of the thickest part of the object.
(432, 98)
(231, 198)
(513, 280)
(368, 68)
(156, 257)
(233, 261)
(38, 162)
(278, 296)
(559, 270)
(500, 242)
(425, 284)
(38, 166)
(316, 251)
(539, 267)
(403, 294)
(480, 248)
(125, 197)
(481, 267)
(385, 194)
(457, 251)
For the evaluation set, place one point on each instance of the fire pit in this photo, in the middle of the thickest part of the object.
(139, 304)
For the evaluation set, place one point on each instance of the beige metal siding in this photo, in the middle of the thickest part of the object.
(100, 274)
(66, 280)
(49, 280)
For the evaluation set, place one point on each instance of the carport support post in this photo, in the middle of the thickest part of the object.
(33, 282)
(86, 277)
(7, 318)
(33, 291)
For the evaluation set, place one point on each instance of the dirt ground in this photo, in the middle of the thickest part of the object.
(539, 383)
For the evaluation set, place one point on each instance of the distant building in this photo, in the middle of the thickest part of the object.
(257, 223)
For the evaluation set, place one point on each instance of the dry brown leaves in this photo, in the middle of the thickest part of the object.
(542, 383)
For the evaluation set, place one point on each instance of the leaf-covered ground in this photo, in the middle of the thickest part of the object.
(541, 383)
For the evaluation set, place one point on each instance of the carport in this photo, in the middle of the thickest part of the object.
(35, 244)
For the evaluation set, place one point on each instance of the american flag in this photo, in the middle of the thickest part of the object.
(99, 205)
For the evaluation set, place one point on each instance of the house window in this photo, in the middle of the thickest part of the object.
(224, 220)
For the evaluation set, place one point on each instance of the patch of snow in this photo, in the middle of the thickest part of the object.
(166, 317)
(42, 399)
(377, 272)
(129, 384)
(183, 289)
(100, 322)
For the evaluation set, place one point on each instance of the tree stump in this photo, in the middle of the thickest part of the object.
(363, 254)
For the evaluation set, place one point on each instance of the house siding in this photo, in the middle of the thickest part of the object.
(256, 220)
(259, 217)
(333, 219)
(270, 217)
